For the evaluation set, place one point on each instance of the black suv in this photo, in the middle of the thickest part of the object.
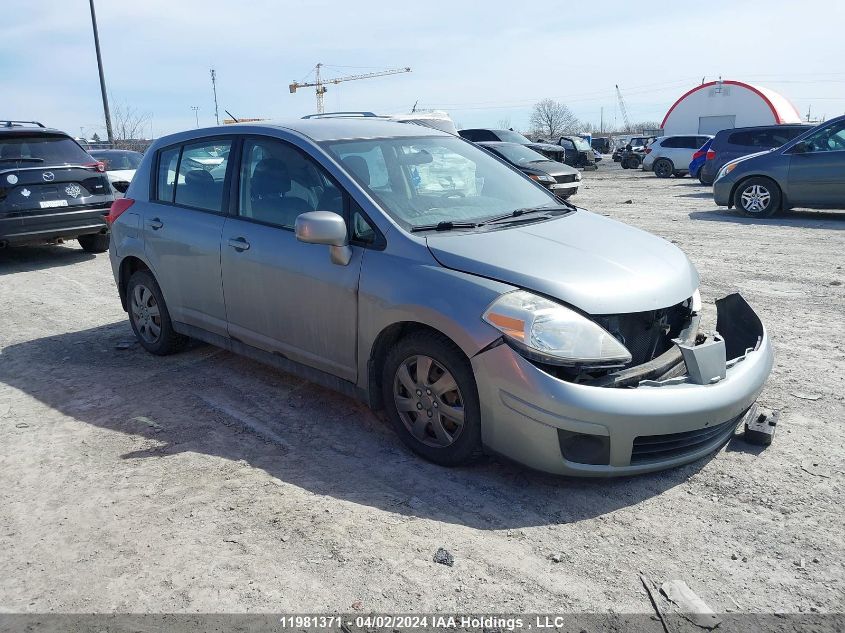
(50, 189)
(734, 143)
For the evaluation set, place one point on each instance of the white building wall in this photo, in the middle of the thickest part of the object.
(717, 105)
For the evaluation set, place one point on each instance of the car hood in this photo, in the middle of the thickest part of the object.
(546, 147)
(591, 262)
(551, 167)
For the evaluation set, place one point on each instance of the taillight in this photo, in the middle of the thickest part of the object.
(698, 154)
(711, 154)
(99, 165)
(648, 150)
(117, 208)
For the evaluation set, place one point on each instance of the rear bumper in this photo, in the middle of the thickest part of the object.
(46, 227)
(528, 415)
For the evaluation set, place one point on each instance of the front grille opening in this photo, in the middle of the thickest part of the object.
(658, 448)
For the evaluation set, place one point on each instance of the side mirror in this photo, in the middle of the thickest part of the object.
(325, 227)
(801, 148)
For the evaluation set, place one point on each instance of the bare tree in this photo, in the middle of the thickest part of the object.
(505, 123)
(551, 119)
(642, 126)
(128, 125)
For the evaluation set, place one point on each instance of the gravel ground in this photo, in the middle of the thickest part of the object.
(206, 482)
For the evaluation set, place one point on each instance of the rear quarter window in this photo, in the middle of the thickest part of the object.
(166, 177)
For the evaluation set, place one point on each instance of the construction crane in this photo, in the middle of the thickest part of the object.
(622, 108)
(320, 84)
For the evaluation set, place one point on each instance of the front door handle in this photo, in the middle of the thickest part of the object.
(155, 224)
(239, 244)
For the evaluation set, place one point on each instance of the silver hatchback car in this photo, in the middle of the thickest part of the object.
(409, 268)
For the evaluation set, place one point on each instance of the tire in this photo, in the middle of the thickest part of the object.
(97, 243)
(416, 410)
(702, 181)
(663, 168)
(757, 197)
(149, 317)
(624, 163)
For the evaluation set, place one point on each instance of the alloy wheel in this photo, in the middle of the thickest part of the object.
(756, 198)
(428, 401)
(146, 313)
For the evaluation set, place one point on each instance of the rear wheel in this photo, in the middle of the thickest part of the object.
(758, 197)
(431, 399)
(149, 316)
(98, 243)
(663, 168)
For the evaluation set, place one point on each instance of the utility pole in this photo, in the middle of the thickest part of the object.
(214, 87)
(102, 77)
(196, 110)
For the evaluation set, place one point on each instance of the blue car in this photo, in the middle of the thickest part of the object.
(698, 159)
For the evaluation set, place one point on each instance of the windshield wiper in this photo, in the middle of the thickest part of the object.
(444, 226)
(22, 160)
(520, 212)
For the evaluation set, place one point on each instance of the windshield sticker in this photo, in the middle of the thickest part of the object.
(73, 191)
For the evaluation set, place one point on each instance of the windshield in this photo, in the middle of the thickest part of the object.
(581, 145)
(509, 136)
(422, 181)
(519, 154)
(49, 149)
(116, 161)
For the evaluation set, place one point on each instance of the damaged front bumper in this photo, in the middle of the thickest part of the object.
(638, 420)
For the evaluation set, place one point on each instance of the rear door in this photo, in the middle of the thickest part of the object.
(817, 175)
(182, 226)
(47, 174)
(282, 295)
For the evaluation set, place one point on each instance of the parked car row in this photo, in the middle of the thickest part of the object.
(760, 170)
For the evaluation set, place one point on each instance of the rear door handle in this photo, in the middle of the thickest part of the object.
(239, 244)
(155, 224)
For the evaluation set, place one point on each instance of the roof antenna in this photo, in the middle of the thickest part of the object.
(414, 109)
(234, 118)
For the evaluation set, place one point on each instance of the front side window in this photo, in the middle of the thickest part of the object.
(202, 170)
(278, 183)
(827, 139)
(440, 179)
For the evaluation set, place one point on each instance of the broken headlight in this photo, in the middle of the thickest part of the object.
(551, 333)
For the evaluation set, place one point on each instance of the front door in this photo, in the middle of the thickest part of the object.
(817, 174)
(183, 223)
(282, 295)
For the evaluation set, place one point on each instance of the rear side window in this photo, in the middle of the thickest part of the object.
(671, 142)
(202, 170)
(746, 139)
(38, 149)
(168, 160)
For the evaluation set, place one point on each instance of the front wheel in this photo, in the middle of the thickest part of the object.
(758, 198)
(431, 399)
(97, 243)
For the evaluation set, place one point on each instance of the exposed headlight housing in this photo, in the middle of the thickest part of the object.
(578, 176)
(551, 333)
(541, 177)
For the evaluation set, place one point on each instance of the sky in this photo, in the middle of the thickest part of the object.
(485, 63)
